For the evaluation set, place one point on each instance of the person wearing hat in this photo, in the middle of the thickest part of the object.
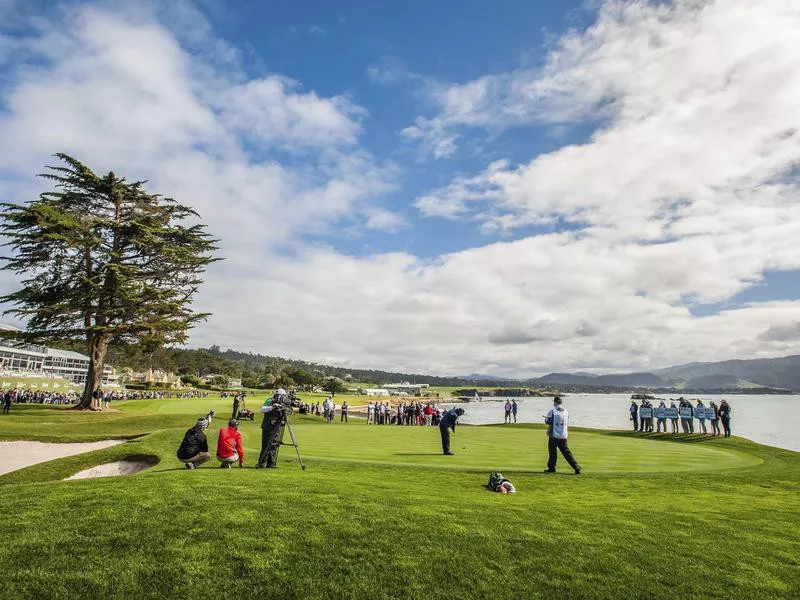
(557, 419)
(229, 446)
(193, 450)
(634, 410)
(271, 430)
(448, 422)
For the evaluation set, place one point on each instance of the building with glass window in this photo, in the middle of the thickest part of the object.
(18, 358)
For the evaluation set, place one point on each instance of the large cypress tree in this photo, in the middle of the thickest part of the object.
(104, 261)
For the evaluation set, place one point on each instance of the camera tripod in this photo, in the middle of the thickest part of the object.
(284, 425)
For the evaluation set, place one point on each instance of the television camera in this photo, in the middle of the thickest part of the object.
(284, 405)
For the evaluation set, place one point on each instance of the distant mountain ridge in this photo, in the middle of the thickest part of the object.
(780, 373)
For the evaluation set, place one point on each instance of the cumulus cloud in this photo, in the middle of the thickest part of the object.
(683, 193)
(782, 333)
(558, 311)
(120, 91)
(686, 181)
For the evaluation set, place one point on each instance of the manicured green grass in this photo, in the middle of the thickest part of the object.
(379, 512)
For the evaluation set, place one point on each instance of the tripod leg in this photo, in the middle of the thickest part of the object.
(296, 447)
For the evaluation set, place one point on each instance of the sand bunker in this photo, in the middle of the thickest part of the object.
(126, 466)
(18, 455)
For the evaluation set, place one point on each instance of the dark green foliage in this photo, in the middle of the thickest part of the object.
(103, 261)
(334, 386)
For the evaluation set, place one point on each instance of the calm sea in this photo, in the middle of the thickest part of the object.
(771, 420)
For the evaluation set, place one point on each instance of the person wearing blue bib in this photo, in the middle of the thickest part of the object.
(700, 413)
(557, 420)
(713, 417)
(686, 414)
(661, 416)
(673, 416)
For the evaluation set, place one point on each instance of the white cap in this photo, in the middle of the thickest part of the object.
(281, 391)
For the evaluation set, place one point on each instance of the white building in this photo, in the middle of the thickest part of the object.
(376, 392)
(18, 358)
(415, 389)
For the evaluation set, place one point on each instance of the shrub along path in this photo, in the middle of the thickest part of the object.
(380, 513)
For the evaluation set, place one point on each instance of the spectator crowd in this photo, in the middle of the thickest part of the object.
(645, 416)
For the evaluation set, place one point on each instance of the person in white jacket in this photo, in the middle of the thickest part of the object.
(557, 419)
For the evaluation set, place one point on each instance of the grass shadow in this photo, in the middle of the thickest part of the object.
(680, 438)
(417, 454)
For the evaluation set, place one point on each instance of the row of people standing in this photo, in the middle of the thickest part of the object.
(412, 413)
(644, 416)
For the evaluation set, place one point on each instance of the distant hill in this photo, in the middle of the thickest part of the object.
(571, 378)
(620, 380)
(777, 373)
(713, 381)
(770, 372)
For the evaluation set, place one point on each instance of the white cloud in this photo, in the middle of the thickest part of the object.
(703, 124)
(380, 219)
(531, 306)
(634, 58)
(268, 112)
(120, 92)
(678, 196)
(317, 30)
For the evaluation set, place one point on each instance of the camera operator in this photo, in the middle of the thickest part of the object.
(273, 409)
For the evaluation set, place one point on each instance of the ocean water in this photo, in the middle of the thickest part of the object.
(766, 419)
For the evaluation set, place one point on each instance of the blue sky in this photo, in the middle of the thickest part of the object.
(444, 187)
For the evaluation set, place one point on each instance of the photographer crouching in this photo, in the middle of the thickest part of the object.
(274, 410)
(193, 450)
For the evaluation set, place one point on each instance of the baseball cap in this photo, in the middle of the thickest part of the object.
(233, 423)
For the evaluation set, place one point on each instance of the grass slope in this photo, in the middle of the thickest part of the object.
(379, 513)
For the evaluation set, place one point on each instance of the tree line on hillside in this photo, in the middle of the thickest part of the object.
(256, 370)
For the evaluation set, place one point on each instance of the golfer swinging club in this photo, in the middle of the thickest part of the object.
(449, 421)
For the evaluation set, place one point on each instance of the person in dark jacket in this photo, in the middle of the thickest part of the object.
(725, 416)
(193, 450)
(236, 401)
(634, 410)
(271, 430)
(6, 402)
(448, 422)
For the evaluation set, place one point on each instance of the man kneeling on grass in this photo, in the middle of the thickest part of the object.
(193, 451)
(229, 446)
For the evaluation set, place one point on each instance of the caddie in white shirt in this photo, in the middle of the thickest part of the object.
(557, 419)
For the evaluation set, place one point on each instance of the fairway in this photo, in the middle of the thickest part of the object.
(385, 497)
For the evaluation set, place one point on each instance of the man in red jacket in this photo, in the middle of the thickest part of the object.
(229, 446)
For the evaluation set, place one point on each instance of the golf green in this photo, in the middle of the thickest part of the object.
(381, 513)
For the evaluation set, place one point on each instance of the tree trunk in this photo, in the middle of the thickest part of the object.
(98, 346)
